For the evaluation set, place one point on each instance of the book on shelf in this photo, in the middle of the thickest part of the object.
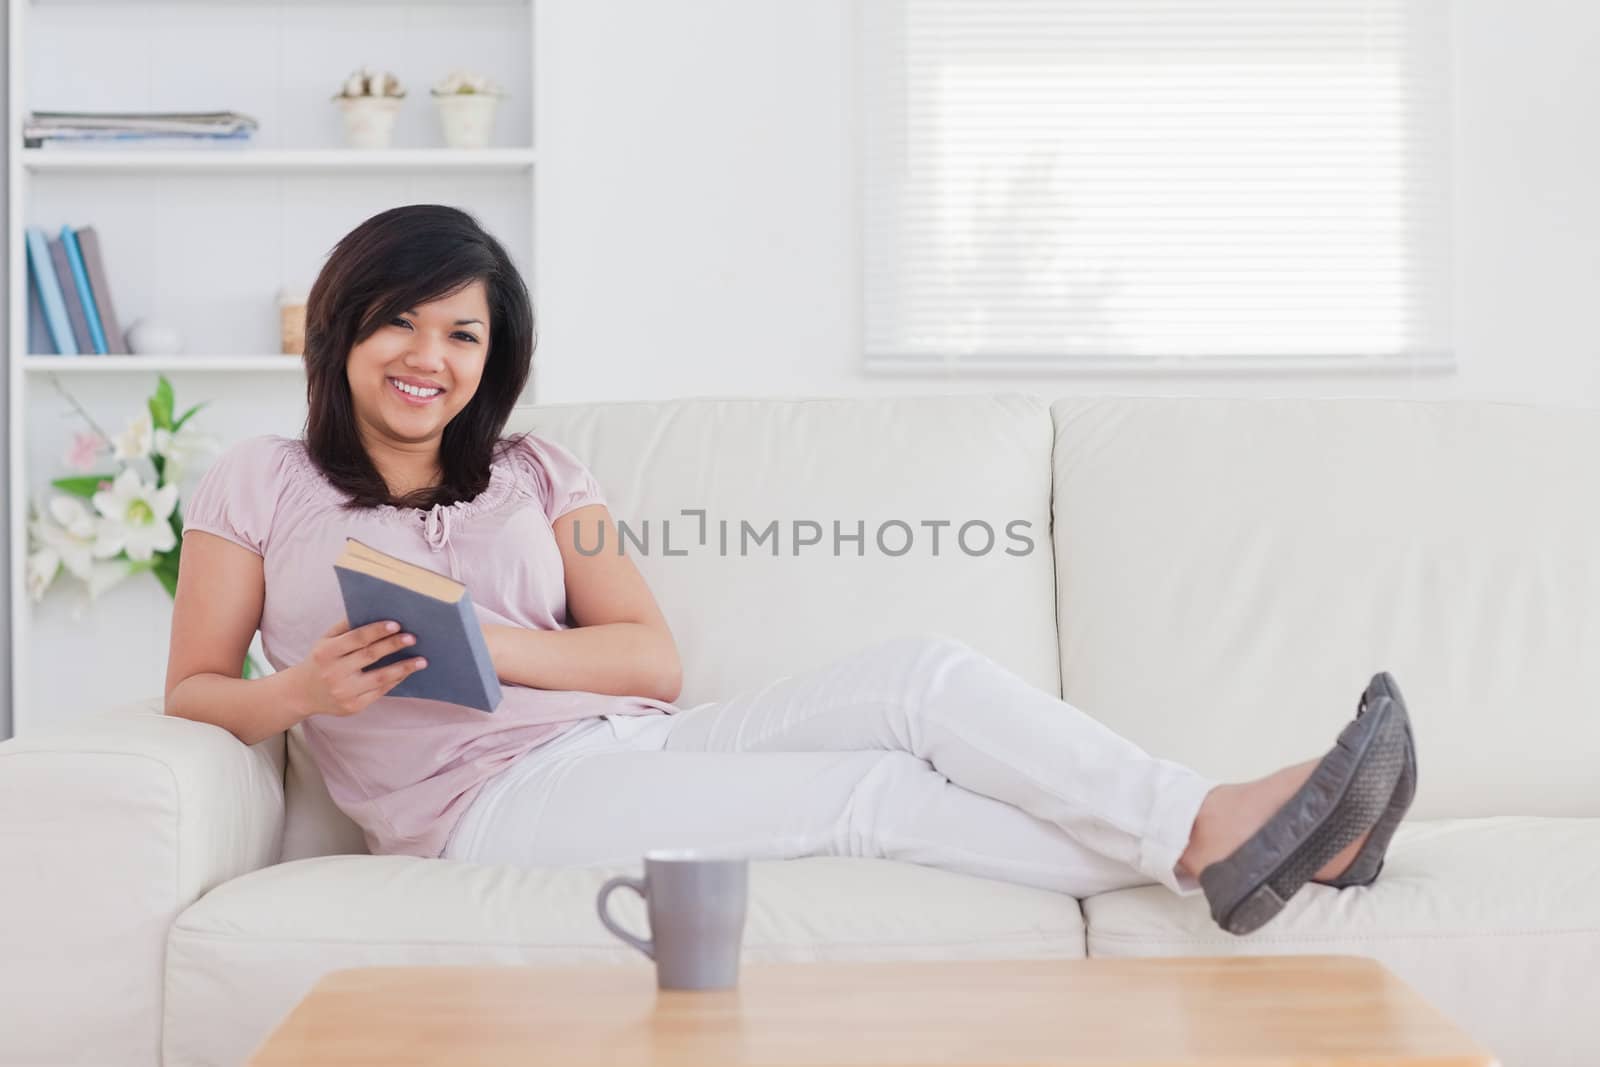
(435, 609)
(80, 279)
(89, 241)
(81, 338)
(69, 279)
(51, 296)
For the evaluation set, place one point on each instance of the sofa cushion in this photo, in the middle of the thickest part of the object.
(746, 616)
(241, 957)
(741, 620)
(1233, 571)
(1495, 920)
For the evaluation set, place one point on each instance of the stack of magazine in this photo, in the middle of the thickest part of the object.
(130, 128)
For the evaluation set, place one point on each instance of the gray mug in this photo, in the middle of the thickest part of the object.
(696, 905)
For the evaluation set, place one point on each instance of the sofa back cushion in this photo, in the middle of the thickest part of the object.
(764, 606)
(1232, 571)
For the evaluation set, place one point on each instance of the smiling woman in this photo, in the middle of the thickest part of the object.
(419, 339)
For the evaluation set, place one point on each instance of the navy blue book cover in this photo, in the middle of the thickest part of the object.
(448, 635)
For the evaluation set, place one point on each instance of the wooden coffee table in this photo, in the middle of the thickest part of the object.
(1309, 1011)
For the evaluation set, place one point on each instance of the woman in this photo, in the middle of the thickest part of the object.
(419, 337)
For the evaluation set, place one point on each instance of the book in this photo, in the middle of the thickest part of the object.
(50, 296)
(38, 335)
(80, 280)
(69, 294)
(434, 608)
(89, 245)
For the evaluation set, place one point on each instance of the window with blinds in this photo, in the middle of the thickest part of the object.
(1164, 184)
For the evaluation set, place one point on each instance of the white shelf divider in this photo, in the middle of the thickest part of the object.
(164, 364)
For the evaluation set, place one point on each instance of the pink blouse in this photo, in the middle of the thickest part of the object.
(406, 769)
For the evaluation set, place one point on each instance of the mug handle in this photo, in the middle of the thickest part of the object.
(638, 886)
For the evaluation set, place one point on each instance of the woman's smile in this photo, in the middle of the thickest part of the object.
(418, 392)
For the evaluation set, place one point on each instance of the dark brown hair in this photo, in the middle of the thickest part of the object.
(396, 260)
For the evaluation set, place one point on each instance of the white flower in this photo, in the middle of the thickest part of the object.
(134, 442)
(65, 534)
(42, 568)
(67, 530)
(181, 448)
(136, 517)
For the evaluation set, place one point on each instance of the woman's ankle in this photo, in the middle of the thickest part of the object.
(1202, 849)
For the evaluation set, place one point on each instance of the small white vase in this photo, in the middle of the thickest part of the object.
(147, 337)
(369, 120)
(468, 118)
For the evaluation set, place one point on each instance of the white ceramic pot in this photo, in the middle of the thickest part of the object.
(148, 338)
(468, 118)
(369, 120)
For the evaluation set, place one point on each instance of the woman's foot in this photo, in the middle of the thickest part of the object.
(1254, 844)
(1231, 813)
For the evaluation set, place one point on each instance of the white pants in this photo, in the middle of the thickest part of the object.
(916, 749)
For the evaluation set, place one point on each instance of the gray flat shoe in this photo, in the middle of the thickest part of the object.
(1364, 869)
(1344, 798)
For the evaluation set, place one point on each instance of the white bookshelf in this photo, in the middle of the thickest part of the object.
(202, 238)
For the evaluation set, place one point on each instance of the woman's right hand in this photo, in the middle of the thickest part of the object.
(332, 678)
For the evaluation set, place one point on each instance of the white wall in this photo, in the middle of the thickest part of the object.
(699, 216)
(1528, 198)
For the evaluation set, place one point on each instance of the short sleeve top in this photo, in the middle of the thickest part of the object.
(405, 769)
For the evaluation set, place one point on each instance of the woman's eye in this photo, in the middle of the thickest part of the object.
(462, 334)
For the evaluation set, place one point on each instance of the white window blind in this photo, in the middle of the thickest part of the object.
(1126, 184)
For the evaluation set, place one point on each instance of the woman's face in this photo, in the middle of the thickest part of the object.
(418, 370)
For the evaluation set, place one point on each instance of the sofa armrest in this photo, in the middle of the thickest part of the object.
(110, 827)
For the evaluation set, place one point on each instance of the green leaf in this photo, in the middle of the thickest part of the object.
(85, 485)
(165, 568)
(161, 405)
(168, 580)
(185, 416)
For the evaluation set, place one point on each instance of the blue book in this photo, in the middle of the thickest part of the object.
(49, 289)
(80, 279)
(434, 608)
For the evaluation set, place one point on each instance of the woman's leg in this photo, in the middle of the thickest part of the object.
(985, 729)
(609, 800)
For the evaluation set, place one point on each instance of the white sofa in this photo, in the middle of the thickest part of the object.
(1216, 578)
